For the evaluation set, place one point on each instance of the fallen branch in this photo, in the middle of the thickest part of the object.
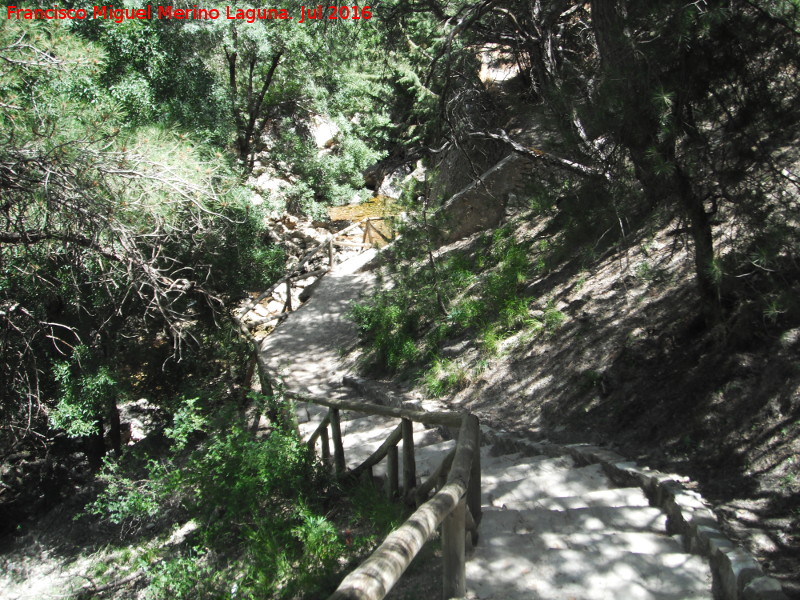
(537, 154)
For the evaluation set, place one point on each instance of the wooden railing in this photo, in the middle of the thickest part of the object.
(371, 236)
(455, 482)
(455, 505)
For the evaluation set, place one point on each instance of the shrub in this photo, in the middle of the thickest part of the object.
(445, 376)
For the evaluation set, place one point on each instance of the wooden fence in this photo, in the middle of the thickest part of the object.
(450, 496)
(455, 503)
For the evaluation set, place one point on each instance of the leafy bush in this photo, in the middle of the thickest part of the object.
(87, 387)
(258, 501)
(128, 501)
(404, 325)
(188, 576)
(323, 179)
(389, 328)
(483, 293)
(446, 376)
(235, 473)
(375, 510)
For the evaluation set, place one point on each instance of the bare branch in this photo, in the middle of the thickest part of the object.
(540, 155)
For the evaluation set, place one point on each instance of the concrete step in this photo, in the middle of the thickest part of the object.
(367, 430)
(307, 411)
(617, 497)
(540, 499)
(363, 436)
(574, 520)
(604, 542)
(426, 459)
(375, 429)
(497, 573)
(512, 467)
(527, 491)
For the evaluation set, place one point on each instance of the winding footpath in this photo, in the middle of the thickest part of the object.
(555, 524)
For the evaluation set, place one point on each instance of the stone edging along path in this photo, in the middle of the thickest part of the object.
(737, 575)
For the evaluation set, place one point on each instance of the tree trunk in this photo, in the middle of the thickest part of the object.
(115, 432)
(703, 240)
(95, 446)
(637, 127)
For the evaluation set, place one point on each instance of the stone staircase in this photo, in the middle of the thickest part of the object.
(554, 530)
(551, 529)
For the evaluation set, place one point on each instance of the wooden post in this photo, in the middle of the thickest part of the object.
(378, 574)
(471, 534)
(250, 371)
(392, 475)
(474, 486)
(330, 255)
(409, 466)
(338, 448)
(288, 307)
(326, 446)
(366, 476)
(454, 577)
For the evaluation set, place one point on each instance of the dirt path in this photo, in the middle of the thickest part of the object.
(312, 350)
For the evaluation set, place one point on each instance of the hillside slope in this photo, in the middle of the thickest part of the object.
(627, 363)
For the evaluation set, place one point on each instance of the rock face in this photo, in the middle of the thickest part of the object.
(388, 178)
(271, 180)
(481, 204)
(498, 66)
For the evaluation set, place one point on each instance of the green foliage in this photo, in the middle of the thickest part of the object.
(185, 421)
(190, 576)
(322, 545)
(257, 500)
(389, 329)
(446, 376)
(157, 72)
(129, 501)
(404, 325)
(483, 289)
(235, 473)
(323, 179)
(87, 387)
(553, 318)
(375, 510)
(117, 229)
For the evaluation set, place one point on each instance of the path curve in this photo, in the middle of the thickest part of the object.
(552, 529)
(307, 350)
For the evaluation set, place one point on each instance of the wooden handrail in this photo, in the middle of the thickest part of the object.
(409, 464)
(336, 435)
(421, 493)
(318, 431)
(379, 454)
(456, 506)
(378, 574)
(448, 419)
